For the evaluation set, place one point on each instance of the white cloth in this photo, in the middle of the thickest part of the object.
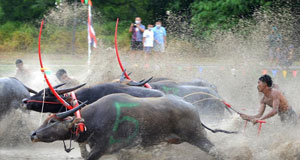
(149, 38)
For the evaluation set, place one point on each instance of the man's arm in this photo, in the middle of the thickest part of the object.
(274, 111)
(260, 112)
(131, 26)
(140, 28)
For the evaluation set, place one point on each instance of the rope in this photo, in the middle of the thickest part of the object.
(214, 97)
(195, 93)
(219, 130)
(228, 106)
(204, 100)
(42, 106)
(70, 146)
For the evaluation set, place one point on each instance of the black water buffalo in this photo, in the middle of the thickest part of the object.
(206, 98)
(120, 121)
(196, 82)
(90, 94)
(12, 91)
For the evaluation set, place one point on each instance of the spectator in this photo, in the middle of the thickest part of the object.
(148, 38)
(63, 77)
(137, 30)
(290, 55)
(22, 73)
(279, 56)
(160, 40)
(275, 41)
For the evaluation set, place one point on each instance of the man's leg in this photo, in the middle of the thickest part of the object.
(162, 47)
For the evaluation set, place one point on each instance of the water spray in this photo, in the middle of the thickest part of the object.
(118, 57)
(227, 105)
(62, 101)
(43, 70)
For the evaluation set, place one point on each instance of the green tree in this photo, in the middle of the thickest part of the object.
(24, 10)
(209, 15)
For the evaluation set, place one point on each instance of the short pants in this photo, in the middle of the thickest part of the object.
(289, 117)
(148, 49)
(136, 45)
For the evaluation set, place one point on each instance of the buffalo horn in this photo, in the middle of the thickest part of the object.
(57, 86)
(30, 90)
(122, 78)
(69, 112)
(132, 83)
(62, 91)
(142, 80)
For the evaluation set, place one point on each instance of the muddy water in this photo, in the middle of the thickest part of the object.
(238, 88)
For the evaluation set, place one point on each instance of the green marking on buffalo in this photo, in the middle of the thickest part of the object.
(119, 120)
(169, 90)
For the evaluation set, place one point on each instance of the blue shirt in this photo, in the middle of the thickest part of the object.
(137, 34)
(159, 34)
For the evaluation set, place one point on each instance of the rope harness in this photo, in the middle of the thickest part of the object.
(81, 127)
(42, 107)
(43, 101)
(228, 106)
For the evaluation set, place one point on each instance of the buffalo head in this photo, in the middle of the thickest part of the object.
(51, 103)
(57, 126)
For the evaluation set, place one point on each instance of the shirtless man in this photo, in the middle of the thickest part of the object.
(276, 100)
(63, 77)
(22, 73)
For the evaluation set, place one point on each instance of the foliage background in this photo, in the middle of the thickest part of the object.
(19, 19)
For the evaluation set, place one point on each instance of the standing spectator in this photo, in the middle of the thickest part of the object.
(280, 56)
(275, 41)
(148, 39)
(290, 55)
(22, 73)
(160, 37)
(137, 30)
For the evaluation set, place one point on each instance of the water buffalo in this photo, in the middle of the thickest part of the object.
(196, 82)
(206, 98)
(12, 91)
(199, 92)
(120, 121)
(90, 94)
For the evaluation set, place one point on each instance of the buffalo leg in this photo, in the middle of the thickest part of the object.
(205, 145)
(83, 151)
(96, 152)
(196, 136)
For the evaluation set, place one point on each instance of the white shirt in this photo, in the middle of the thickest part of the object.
(149, 38)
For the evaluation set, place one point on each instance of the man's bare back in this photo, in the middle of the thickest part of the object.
(276, 95)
